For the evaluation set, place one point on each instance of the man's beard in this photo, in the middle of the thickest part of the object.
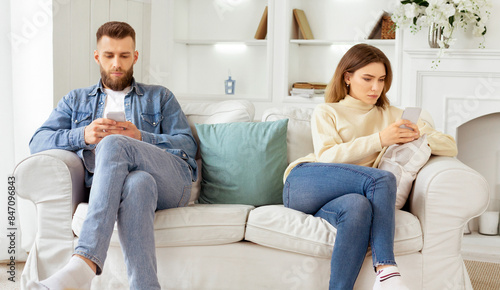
(119, 84)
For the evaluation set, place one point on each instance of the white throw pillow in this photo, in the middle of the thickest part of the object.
(299, 138)
(404, 161)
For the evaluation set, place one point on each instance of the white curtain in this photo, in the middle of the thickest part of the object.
(26, 81)
(6, 107)
(7, 123)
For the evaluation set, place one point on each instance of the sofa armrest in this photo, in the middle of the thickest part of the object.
(54, 181)
(445, 196)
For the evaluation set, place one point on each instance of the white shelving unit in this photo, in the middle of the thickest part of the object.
(335, 29)
(209, 40)
(318, 42)
(206, 39)
(251, 42)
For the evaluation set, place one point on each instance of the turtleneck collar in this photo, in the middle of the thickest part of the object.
(351, 102)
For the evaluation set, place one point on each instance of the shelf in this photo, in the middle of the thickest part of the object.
(381, 42)
(216, 97)
(319, 42)
(208, 40)
(472, 53)
(317, 99)
(250, 42)
(479, 247)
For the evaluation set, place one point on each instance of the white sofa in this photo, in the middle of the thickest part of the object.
(242, 247)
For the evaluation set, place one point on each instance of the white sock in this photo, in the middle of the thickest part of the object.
(75, 275)
(389, 278)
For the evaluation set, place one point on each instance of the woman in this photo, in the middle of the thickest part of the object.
(338, 182)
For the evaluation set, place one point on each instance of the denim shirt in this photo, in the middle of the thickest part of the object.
(153, 109)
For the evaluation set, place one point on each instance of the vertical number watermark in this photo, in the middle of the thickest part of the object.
(11, 227)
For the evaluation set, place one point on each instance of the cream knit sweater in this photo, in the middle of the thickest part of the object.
(348, 132)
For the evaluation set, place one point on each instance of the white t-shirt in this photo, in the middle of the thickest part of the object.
(115, 100)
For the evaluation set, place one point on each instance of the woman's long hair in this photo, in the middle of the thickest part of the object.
(355, 58)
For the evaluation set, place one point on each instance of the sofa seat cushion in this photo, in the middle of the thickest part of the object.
(194, 225)
(286, 229)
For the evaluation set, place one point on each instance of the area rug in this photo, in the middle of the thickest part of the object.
(483, 276)
(15, 275)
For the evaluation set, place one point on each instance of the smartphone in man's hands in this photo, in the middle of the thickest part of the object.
(411, 114)
(116, 116)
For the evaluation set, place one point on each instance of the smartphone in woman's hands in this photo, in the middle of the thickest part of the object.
(411, 114)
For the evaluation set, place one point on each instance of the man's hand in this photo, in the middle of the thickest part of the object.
(102, 127)
(395, 135)
(129, 129)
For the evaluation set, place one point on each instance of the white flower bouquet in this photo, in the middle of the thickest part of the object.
(445, 15)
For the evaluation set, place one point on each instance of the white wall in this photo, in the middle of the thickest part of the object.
(26, 76)
(7, 121)
(75, 26)
(32, 73)
(6, 114)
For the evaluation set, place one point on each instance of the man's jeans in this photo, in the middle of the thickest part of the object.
(132, 179)
(359, 201)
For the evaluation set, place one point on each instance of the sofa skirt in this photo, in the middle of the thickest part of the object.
(244, 265)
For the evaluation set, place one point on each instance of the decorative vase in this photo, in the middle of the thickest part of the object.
(436, 34)
(488, 223)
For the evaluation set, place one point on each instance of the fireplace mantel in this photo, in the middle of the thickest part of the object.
(431, 53)
(464, 86)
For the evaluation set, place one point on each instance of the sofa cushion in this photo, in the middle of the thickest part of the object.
(243, 163)
(218, 112)
(404, 161)
(213, 113)
(290, 230)
(193, 225)
(287, 229)
(299, 138)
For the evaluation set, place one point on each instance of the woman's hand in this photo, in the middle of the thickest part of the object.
(395, 135)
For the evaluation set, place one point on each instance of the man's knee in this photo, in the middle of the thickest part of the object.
(140, 185)
(112, 142)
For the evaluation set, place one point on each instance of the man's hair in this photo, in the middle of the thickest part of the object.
(355, 58)
(115, 29)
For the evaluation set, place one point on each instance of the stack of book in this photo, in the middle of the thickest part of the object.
(307, 89)
(300, 20)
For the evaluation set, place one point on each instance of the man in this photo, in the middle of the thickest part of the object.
(133, 167)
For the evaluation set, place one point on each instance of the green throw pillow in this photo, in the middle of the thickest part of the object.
(243, 163)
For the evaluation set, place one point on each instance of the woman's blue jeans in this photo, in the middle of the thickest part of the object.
(359, 201)
(132, 179)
